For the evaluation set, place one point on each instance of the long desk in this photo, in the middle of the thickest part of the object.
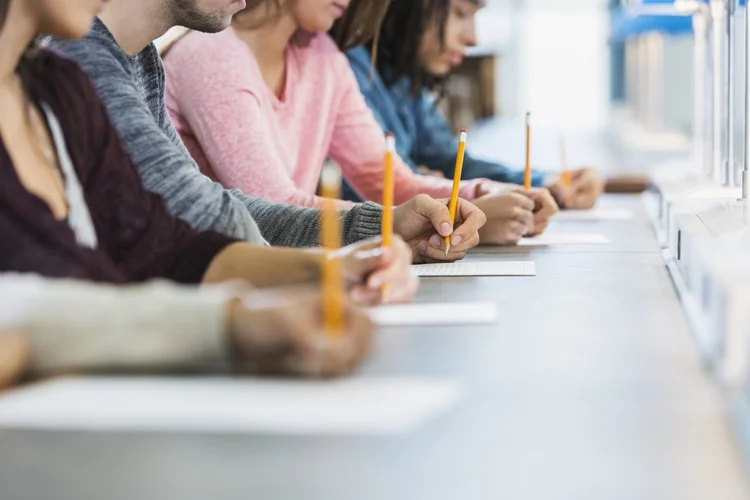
(588, 387)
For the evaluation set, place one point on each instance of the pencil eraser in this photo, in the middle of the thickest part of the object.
(462, 135)
(390, 142)
(330, 177)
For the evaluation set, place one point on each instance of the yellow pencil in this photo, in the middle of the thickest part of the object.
(387, 226)
(456, 184)
(330, 235)
(527, 172)
(566, 176)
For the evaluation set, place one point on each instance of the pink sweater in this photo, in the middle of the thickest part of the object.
(243, 136)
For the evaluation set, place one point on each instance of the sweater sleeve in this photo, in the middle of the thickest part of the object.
(141, 237)
(168, 171)
(74, 325)
(359, 147)
(164, 167)
(217, 95)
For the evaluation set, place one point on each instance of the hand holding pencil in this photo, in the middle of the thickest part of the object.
(278, 332)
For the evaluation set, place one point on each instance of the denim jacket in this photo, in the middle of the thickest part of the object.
(423, 135)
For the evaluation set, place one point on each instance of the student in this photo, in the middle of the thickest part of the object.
(69, 325)
(420, 42)
(72, 204)
(275, 88)
(120, 58)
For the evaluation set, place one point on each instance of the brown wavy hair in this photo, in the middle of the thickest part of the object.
(359, 24)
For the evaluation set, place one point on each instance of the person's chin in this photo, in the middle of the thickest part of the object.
(440, 70)
(319, 26)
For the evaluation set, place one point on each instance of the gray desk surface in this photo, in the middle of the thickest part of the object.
(588, 387)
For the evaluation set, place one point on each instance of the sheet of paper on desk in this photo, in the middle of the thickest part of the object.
(226, 405)
(450, 313)
(475, 268)
(595, 214)
(554, 239)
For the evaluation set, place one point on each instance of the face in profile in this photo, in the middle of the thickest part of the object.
(207, 16)
(437, 57)
(65, 18)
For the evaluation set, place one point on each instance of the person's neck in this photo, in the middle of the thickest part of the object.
(19, 30)
(136, 23)
(269, 42)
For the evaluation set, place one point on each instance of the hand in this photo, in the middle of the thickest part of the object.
(494, 187)
(586, 187)
(509, 217)
(423, 223)
(366, 266)
(14, 357)
(544, 208)
(422, 170)
(282, 334)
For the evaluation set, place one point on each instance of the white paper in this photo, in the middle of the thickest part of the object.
(595, 214)
(554, 239)
(475, 268)
(224, 405)
(453, 313)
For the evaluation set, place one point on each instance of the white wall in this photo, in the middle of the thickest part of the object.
(555, 59)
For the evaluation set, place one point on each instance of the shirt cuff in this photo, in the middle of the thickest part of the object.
(363, 222)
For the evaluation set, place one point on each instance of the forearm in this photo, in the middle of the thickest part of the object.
(288, 226)
(264, 266)
(73, 325)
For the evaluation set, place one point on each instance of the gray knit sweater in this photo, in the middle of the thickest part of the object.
(132, 89)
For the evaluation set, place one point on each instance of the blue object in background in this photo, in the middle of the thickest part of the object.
(625, 26)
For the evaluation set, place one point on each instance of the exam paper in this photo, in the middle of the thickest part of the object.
(226, 405)
(595, 214)
(498, 268)
(452, 313)
(553, 239)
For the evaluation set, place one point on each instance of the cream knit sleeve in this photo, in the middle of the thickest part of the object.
(75, 325)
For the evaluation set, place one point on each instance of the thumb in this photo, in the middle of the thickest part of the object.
(437, 212)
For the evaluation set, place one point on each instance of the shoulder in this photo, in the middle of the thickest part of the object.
(95, 52)
(320, 55)
(360, 62)
(321, 49)
(58, 76)
(359, 59)
(205, 48)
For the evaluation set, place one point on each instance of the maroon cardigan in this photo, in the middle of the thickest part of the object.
(138, 238)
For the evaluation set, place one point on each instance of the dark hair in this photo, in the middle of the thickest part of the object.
(396, 53)
(360, 22)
